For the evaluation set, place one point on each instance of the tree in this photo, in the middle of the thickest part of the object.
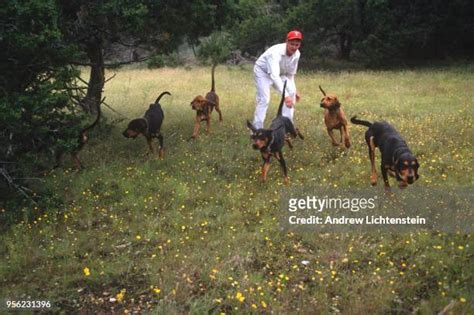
(35, 82)
(327, 22)
(216, 48)
(90, 25)
(257, 25)
(161, 25)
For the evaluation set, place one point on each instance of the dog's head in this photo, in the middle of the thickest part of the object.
(406, 170)
(135, 128)
(261, 137)
(198, 103)
(329, 101)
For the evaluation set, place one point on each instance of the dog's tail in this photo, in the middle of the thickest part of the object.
(322, 91)
(213, 84)
(83, 133)
(356, 121)
(282, 100)
(97, 118)
(161, 95)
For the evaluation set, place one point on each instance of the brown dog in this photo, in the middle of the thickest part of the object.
(334, 118)
(205, 106)
(81, 142)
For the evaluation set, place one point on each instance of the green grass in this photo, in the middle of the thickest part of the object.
(198, 232)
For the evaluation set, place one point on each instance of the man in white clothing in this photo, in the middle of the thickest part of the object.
(277, 64)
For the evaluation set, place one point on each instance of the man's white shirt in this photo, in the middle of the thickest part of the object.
(276, 63)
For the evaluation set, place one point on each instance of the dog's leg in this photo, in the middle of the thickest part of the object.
(218, 110)
(385, 178)
(149, 140)
(290, 145)
(162, 147)
(333, 138)
(265, 166)
(208, 124)
(59, 160)
(345, 130)
(197, 125)
(373, 176)
(75, 157)
(279, 157)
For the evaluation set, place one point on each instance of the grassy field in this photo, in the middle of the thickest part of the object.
(198, 232)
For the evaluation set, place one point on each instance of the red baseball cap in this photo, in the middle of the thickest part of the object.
(294, 35)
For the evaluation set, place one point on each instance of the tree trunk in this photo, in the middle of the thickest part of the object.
(345, 45)
(93, 97)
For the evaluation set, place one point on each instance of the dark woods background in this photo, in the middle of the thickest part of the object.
(44, 102)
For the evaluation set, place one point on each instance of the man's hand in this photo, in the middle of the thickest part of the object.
(289, 101)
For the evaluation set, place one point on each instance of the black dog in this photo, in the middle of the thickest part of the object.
(270, 141)
(397, 159)
(149, 126)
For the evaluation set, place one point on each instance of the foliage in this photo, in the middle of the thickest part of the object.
(260, 24)
(404, 31)
(35, 113)
(384, 31)
(164, 60)
(216, 48)
(327, 23)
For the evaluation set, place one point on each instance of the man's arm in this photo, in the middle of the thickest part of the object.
(274, 68)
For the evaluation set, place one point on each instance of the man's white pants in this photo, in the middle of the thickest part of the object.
(263, 83)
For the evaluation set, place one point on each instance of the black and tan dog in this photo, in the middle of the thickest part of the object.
(81, 142)
(149, 126)
(397, 159)
(334, 118)
(204, 107)
(270, 141)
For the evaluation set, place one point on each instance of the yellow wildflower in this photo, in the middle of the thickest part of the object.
(121, 295)
(240, 297)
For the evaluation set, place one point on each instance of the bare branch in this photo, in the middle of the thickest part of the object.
(121, 63)
(107, 80)
(11, 182)
(110, 107)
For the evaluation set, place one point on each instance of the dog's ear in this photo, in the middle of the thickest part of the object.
(397, 165)
(417, 165)
(251, 127)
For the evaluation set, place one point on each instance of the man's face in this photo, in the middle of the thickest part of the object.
(292, 46)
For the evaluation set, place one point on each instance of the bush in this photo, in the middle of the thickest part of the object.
(217, 48)
(253, 35)
(164, 60)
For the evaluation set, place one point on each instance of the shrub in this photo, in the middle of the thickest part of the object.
(164, 60)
